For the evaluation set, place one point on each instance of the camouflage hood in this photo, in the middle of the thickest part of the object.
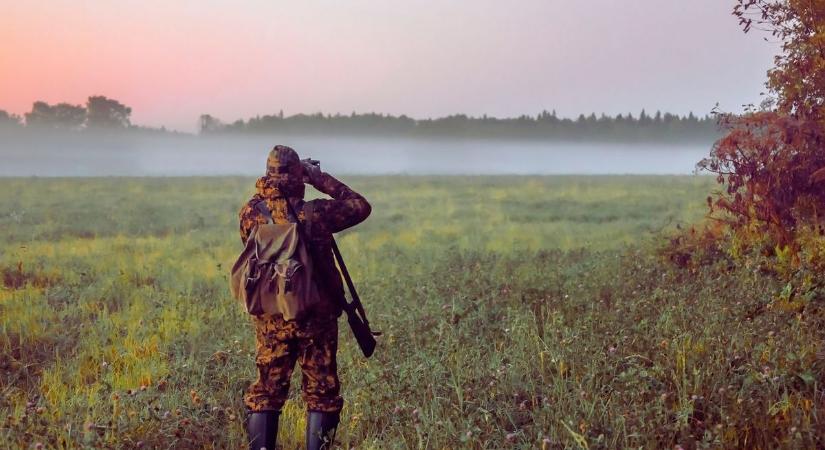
(275, 187)
(284, 175)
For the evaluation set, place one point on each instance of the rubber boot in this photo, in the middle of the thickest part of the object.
(262, 429)
(321, 428)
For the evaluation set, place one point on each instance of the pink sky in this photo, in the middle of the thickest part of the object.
(173, 60)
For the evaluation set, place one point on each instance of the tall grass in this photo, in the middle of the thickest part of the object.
(528, 312)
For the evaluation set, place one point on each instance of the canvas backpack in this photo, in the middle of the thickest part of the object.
(274, 273)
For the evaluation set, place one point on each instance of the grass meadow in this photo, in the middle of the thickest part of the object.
(518, 312)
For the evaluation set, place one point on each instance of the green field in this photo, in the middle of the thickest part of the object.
(526, 312)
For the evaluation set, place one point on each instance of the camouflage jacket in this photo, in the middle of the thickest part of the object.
(347, 208)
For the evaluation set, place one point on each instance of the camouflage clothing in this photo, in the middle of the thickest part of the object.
(279, 344)
(312, 342)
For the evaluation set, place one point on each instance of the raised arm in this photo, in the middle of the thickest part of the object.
(347, 207)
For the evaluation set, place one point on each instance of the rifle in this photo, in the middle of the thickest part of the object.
(356, 316)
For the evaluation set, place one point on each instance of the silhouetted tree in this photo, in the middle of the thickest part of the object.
(104, 113)
(209, 124)
(62, 115)
(69, 116)
(8, 120)
(644, 119)
(41, 115)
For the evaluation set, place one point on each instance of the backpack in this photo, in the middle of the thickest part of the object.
(274, 272)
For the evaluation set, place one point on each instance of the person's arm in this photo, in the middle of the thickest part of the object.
(346, 209)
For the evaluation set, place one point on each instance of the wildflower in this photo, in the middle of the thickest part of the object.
(41, 410)
(611, 350)
(678, 447)
(166, 414)
(143, 387)
(396, 410)
(139, 444)
(38, 446)
(104, 365)
(511, 437)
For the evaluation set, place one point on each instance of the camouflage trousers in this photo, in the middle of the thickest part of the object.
(280, 343)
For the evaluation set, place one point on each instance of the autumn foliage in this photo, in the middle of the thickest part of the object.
(771, 160)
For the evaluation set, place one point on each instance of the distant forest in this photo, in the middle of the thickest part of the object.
(102, 113)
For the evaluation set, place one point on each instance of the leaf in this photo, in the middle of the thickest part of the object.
(807, 377)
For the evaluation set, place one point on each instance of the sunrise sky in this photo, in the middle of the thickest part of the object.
(173, 60)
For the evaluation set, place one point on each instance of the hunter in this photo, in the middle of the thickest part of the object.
(311, 340)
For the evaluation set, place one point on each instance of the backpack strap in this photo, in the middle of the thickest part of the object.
(264, 210)
(308, 210)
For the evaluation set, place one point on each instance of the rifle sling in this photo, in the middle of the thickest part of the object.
(264, 210)
(356, 301)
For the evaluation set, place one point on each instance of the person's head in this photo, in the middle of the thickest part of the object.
(284, 173)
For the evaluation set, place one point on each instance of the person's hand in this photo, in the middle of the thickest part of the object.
(312, 171)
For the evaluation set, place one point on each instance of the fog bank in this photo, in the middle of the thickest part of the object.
(148, 154)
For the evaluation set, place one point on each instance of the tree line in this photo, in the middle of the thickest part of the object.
(103, 113)
(99, 113)
(545, 125)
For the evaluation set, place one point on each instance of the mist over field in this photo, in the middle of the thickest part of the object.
(572, 225)
(159, 154)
